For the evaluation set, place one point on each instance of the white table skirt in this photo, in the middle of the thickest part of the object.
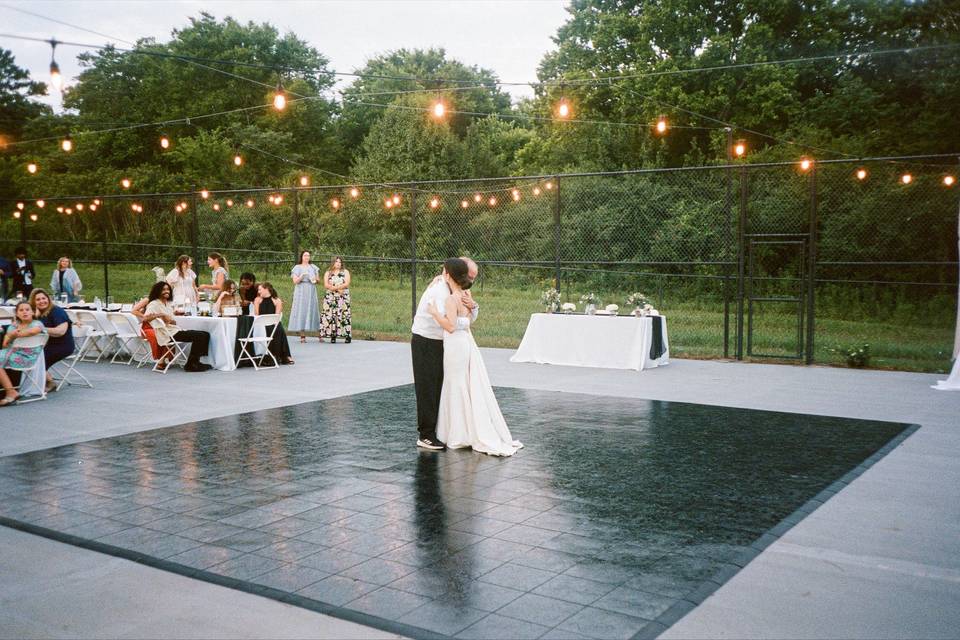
(223, 336)
(611, 342)
(952, 383)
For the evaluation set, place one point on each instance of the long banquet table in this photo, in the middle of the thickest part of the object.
(612, 342)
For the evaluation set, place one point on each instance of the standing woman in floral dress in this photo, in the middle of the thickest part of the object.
(336, 303)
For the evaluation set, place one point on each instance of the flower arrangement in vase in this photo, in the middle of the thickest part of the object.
(550, 299)
(590, 302)
(638, 301)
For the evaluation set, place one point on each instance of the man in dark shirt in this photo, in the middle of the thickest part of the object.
(23, 273)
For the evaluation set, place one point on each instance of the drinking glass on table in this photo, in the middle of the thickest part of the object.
(63, 299)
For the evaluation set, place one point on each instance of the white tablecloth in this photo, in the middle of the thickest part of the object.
(223, 335)
(611, 342)
(952, 383)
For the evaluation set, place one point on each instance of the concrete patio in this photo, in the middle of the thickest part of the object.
(881, 558)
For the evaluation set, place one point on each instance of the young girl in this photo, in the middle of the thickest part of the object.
(20, 357)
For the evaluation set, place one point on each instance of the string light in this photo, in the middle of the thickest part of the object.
(68, 211)
(164, 142)
(389, 203)
(41, 204)
(861, 174)
(278, 200)
(237, 159)
(20, 206)
(32, 167)
(304, 181)
(516, 195)
(949, 181)
(536, 191)
(280, 98)
(183, 205)
(97, 201)
(805, 164)
(492, 201)
(59, 209)
(396, 199)
(204, 194)
(250, 204)
(477, 197)
(335, 203)
(16, 214)
(79, 206)
(439, 110)
(740, 148)
(33, 217)
(216, 206)
(125, 183)
(548, 186)
(67, 143)
(464, 204)
(56, 79)
(434, 202)
(662, 125)
(906, 178)
(229, 202)
(354, 193)
(93, 207)
(564, 110)
(178, 208)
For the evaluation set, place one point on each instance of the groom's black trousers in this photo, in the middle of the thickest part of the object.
(427, 382)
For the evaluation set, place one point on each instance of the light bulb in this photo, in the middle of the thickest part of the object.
(164, 142)
(948, 181)
(249, 204)
(304, 181)
(132, 206)
(125, 183)
(805, 164)
(41, 204)
(861, 174)
(477, 197)
(67, 143)
(354, 192)
(238, 159)
(33, 217)
(20, 206)
(216, 206)
(32, 167)
(280, 98)
(396, 199)
(548, 186)
(96, 201)
(662, 125)
(278, 199)
(492, 201)
(183, 205)
(739, 149)
(516, 195)
(68, 211)
(56, 78)
(16, 214)
(79, 206)
(563, 109)
(434, 202)
(335, 203)
(906, 178)
(536, 191)
(464, 204)
(59, 209)
(439, 110)
(204, 194)
(229, 202)
(389, 203)
(93, 207)
(178, 208)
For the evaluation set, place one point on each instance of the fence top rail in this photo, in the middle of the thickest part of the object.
(545, 176)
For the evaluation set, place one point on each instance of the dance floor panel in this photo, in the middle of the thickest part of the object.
(619, 515)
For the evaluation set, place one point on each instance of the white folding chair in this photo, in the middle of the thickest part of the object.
(99, 337)
(127, 339)
(175, 355)
(32, 375)
(6, 315)
(70, 362)
(268, 325)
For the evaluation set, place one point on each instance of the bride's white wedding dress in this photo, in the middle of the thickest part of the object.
(469, 413)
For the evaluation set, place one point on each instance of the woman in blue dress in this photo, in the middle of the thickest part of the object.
(60, 343)
(305, 310)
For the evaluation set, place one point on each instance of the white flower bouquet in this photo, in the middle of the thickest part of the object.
(637, 300)
(590, 298)
(550, 299)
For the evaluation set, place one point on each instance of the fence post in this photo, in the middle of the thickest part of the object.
(413, 252)
(556, 237)
(741, 257)
(103, 248)
(194, 230)
(295, 224)
(812, 270)
(728, 237)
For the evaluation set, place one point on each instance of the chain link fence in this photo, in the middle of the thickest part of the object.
(744, 260)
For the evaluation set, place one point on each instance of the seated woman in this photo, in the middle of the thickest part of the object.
(60, 343)
(248, 291)
(65, 281)
(229, 297)
(268, 302)
(24, 326)
(159, 313)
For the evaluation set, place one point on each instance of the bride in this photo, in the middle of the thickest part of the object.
(469, 413)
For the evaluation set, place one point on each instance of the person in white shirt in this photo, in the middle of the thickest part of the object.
(159, 313)
(183, 280)
(426, 347)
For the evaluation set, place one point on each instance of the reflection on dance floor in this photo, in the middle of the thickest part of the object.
(618, 516)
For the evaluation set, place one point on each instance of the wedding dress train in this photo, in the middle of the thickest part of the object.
(469, 413)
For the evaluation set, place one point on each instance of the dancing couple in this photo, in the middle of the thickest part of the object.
(456, 407)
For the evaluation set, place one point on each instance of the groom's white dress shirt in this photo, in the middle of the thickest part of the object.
(423, 323)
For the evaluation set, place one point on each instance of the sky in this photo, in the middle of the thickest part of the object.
(509, 37)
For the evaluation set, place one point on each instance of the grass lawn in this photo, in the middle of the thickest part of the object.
(381, 304)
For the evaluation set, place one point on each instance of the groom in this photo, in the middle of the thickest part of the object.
(426, 347)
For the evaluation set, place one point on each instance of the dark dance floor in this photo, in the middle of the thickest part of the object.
(618, 517)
